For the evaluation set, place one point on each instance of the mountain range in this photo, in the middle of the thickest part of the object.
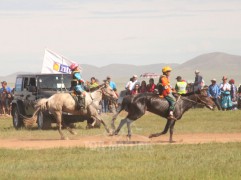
(211, 65)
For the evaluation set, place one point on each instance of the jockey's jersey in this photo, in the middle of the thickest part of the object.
(181, 87)
(77, 77)
(165, 87)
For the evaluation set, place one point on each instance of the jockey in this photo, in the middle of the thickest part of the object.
(77, 84)
(165, 89)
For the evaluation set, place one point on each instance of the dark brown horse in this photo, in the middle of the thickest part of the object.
(137, 105)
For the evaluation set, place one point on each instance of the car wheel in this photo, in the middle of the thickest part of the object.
(40, 120)
(43, 121)
(17, 120)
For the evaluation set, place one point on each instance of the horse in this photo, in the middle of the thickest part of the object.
(137, 105)
(64, 102)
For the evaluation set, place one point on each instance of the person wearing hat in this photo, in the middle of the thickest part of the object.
(77, 84)
(131, 84)
(181, 86)
(225, 87)
(5, 88)
(165, 89)
(214, 92)
(198, 83)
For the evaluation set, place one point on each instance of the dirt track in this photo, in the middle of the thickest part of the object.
(107, 141)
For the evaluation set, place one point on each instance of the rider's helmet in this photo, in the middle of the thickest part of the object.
(166, 69)
(73, 66)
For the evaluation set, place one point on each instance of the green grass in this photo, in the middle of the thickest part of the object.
(203, 161)
(199, 161)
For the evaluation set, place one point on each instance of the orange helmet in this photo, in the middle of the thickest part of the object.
(73, 66)
(166, 69)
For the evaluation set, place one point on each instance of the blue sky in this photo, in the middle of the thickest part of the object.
(102, 32)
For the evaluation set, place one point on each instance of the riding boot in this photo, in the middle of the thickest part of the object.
(81, 101)
(171, 116)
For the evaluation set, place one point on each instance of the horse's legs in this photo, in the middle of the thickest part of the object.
(123, 121)
(58, 116)
(106, 128)
(171, 130)
(168, 124)
(129, 129)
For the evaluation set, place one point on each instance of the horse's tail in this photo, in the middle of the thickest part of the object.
(42, 104)
(124, 105)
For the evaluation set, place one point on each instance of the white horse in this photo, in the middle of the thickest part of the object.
(64, 102)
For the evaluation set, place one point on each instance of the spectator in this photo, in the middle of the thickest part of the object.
(181, 86)
(111, 83)
(131, 84)
(8, 91)
(143, 88)
(151, 86)
(112, 107)
(5, 88)
(92, 84)
(198, 83)
(136, 89)
(233, 93)
(225, 87)
(215, 93)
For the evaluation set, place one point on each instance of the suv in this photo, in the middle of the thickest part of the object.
(31, 87)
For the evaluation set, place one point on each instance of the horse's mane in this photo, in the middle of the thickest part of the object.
(95, 88)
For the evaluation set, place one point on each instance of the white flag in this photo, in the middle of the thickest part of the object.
(55, 63)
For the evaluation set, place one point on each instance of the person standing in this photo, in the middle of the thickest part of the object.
(131, 84)
(165, 89)
(198, 83)
(225, 87)
(233, 93)
(92, 84)
(181, 86)
(151, 86)
(7, 91)
(215, 93)
(143, 88)
(77, 84)
(112, 106)
(136, 90)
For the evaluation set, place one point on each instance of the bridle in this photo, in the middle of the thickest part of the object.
(108, 95)
(196, 101)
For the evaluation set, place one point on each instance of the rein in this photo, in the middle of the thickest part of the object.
(194, 101)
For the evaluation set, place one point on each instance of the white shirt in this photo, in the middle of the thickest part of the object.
(130, 85)
(225, 87)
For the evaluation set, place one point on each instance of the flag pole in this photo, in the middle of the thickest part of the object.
(62, 76)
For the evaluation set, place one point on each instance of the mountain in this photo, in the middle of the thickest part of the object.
(211, 65)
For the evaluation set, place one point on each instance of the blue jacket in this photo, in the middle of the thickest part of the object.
(113, 85)
(214, 91)
(8, 89)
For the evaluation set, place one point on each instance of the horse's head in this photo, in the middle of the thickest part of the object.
(203, 99)
(108, 92)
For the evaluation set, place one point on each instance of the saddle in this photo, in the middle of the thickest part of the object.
(79, 101)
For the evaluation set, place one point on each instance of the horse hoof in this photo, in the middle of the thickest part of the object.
(64, 138)
(151, 136)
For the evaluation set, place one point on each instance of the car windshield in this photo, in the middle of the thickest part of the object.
(54, 81)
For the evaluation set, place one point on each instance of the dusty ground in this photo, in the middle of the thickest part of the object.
(99, 141)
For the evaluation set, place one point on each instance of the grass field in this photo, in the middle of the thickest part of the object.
(200, 161)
